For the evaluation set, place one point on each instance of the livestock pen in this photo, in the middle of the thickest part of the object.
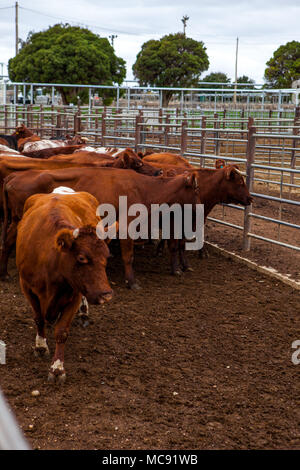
(199, 361)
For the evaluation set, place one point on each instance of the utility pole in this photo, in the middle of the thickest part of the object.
(112, 37)
(184, 20)
(235, 75)
(17, 27)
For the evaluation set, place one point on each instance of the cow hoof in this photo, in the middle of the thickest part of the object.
(57, 378)
(57, 372)
(84, 321)
(5, 277)
(178, 272)
(203, 254)
(41, 352)
(135, 286)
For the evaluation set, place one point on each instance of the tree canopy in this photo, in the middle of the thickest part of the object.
(284, 66)
(68, 54)
(245, 79)
(172, 61)
(215, 77)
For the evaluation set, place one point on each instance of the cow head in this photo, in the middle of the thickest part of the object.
(234, 189)
(130, 160)
(22, 131)
(84, 259)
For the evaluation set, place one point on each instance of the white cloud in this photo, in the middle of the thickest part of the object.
(261, 26)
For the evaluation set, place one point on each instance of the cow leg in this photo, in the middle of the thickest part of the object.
(41, 347)
(83, 312)
(203, 253)
(185, 266)
(160, 248)
(8, 243)
(127, 250)
(61, 333)
(173, 248)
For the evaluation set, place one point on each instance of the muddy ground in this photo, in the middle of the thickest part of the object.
(202, 361)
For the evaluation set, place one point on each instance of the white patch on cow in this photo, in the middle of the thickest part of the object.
(84, 307)
(112, 151)
(57, 365)
(9, 151)
(12, 155)
(63, 190)
(86, 149)
(40, 342)
(5, 148)
(43, 144)
(115, 154)
(76, 233)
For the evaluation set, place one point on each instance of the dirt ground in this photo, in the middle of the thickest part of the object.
(200, 361)
(285, 260)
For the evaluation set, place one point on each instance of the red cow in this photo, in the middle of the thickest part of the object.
(60, 259)
(107, 185)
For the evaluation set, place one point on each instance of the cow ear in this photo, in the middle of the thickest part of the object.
(126, 160)
(191, 180)
(230, 172)
(64, 239)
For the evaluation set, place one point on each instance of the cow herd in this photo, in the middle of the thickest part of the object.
(49, 199)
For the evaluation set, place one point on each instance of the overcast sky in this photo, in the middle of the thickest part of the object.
(261, 26)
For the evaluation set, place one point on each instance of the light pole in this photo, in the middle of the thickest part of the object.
(184, 20)
(17, 26)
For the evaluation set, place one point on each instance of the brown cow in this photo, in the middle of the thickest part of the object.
(60, 259)
(106, 184)
(50, 152)
(10, 164)
(24, 135)
(168, 159)
(224, 185)
(127, 159)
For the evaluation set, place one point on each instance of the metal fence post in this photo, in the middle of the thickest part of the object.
(203, 136)
(137, 135)
(77, 123)
(103, 129)
(217, 134)
(166, 131)
(295, 132)
(249, 181)
(183, 137)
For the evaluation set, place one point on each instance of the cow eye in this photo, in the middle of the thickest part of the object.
(82, 259)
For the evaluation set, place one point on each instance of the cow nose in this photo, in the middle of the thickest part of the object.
(105, 296)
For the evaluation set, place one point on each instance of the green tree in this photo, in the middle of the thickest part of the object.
(246, 79)
(215, 77)
(68, 54)
(284, 67)
(172, 61)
